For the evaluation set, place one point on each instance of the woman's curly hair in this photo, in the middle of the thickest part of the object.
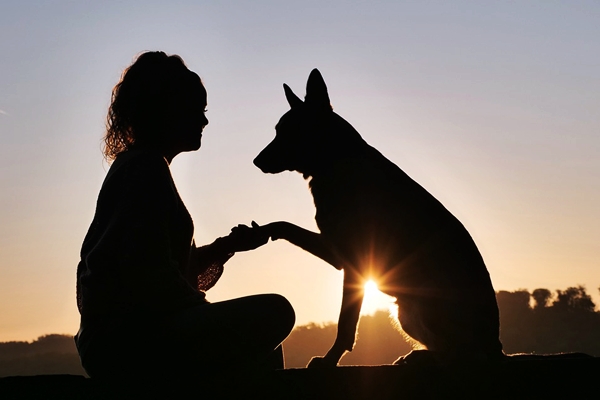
(138, 113)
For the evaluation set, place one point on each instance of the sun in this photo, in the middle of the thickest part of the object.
(374, 300)
(371, 288)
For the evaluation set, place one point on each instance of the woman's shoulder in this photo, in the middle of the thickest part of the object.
(141, 158)
(136, 169)
(139, 162)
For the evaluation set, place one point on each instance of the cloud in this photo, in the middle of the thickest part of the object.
(3, 112)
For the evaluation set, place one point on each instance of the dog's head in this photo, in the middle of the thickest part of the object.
(309, 136)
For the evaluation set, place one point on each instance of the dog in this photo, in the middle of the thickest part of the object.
(376, 222)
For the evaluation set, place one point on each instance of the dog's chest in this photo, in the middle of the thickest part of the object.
(341, 205)
(362, 207)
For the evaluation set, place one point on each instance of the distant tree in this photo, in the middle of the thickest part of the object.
(565, 322)
(515, 320)
(541, 298)
(574, 298)
(12, 350)
(54, 343)
(517, 301)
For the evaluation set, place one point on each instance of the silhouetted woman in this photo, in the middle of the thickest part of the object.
(141, 278)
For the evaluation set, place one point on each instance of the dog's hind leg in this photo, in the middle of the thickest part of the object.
(441, 326)
(451, 331)
(415, 332)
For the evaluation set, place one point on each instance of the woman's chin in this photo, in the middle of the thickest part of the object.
(195, 145)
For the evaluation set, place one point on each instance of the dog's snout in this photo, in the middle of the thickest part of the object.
(257, 162)
(269, 160)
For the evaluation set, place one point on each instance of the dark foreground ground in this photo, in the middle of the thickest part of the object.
(530, 379)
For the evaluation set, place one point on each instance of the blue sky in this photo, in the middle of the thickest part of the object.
(491, 106)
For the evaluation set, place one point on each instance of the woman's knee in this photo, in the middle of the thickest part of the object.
(288, 315)
(278, 310)
(281, 307)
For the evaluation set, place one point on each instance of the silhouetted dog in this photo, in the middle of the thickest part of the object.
(375, 221)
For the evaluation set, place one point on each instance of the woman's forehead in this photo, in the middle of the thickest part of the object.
(191, 87)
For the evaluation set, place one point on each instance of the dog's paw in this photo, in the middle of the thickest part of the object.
(276, 230)
(418, 358)
(321, 362)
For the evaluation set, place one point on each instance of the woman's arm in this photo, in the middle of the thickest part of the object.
(206, 260)
(203, 257)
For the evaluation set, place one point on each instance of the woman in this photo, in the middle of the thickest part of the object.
(141, 278)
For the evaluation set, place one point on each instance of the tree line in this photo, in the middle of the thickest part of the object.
(546, 322)
(538, 322)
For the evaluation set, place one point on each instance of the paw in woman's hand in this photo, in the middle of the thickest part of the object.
(244, 238)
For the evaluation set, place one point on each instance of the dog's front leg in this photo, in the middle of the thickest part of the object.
(312, 242)
(352, 299)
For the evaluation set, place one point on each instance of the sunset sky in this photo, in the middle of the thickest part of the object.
(492, 106)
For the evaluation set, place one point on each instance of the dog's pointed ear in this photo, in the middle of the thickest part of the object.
(291, 97)
(316, 91)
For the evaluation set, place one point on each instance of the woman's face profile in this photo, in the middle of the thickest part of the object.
(188, 119)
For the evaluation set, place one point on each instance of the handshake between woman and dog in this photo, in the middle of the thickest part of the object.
(375, 221)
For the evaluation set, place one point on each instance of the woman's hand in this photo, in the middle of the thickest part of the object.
(244, 238)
